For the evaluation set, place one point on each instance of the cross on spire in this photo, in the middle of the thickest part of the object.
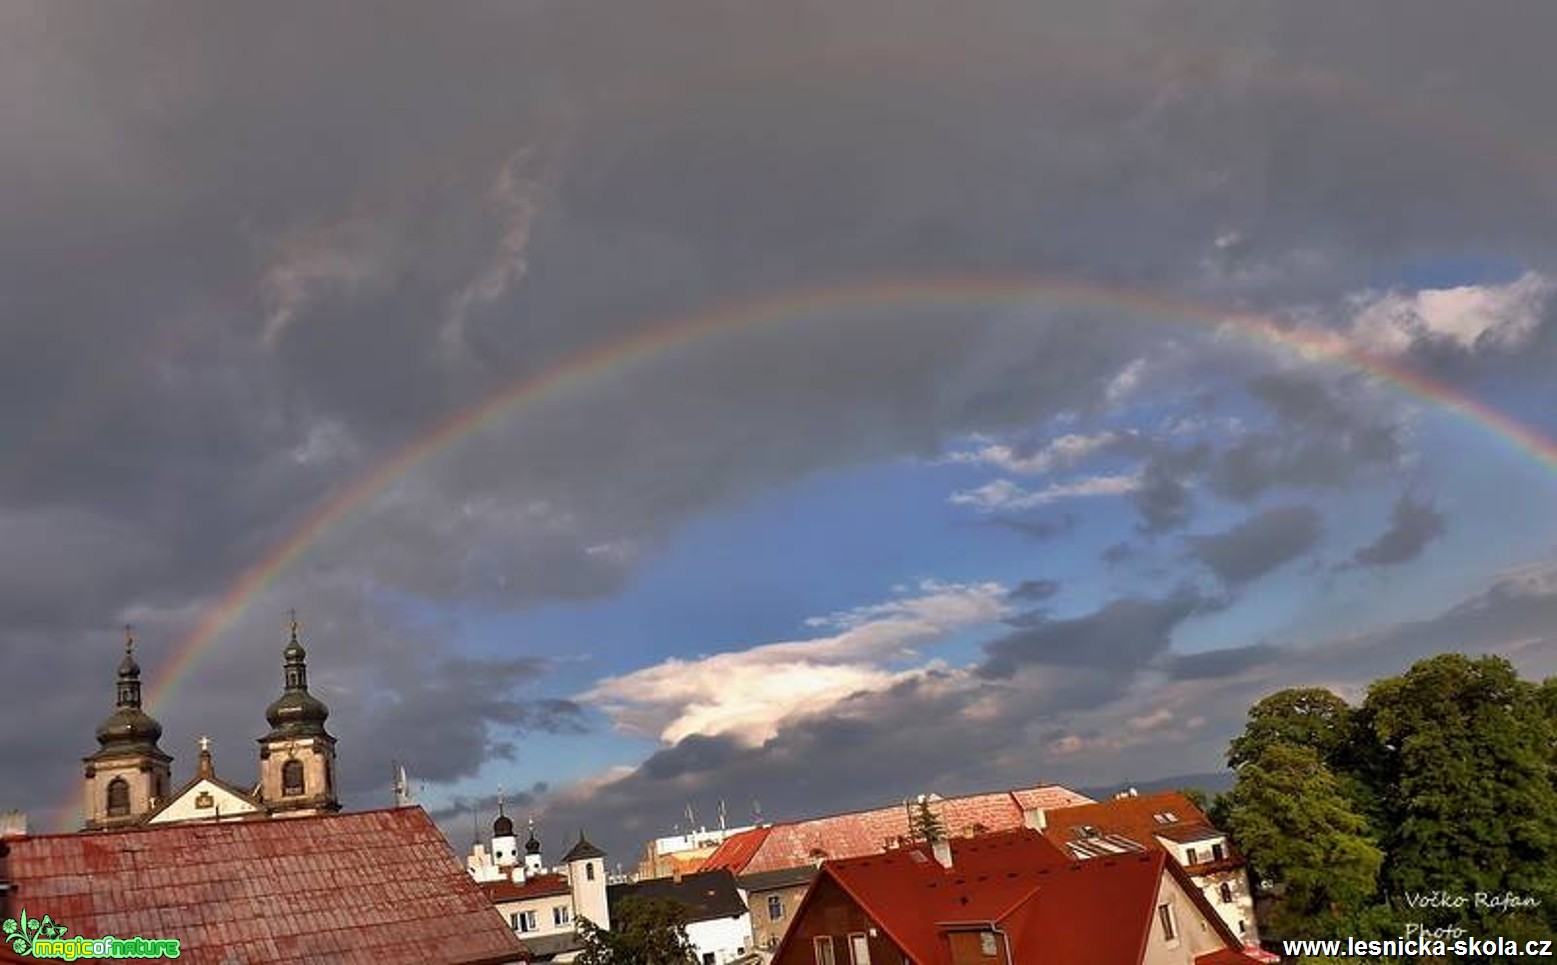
(129, 637)
(292, 614)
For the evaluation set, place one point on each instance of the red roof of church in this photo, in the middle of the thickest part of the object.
(1053, 909)
(378, 887)
(796, 843)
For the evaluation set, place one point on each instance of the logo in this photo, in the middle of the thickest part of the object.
(45, 938)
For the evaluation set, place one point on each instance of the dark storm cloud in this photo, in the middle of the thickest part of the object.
(247, 253)
(1221, 663)
(1413, 525)
(1035, 590)
(1259, 544)
(1121, 636)
(1163, 498)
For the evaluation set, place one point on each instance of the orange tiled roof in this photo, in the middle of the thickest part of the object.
(1140, 819)
(796, 843)
(379, 887)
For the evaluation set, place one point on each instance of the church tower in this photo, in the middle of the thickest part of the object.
(128, 776)
(297, 757)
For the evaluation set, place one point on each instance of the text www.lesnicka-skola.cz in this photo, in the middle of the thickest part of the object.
(1507, 947)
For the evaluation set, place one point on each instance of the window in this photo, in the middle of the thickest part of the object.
(1227, 893)
(589, 870)
(560, 915)
(775, 908)
(708, 958)
(1191, 856)
(292, 778)
(526, 921)
(118, 797)
(1218, 852)
(1242, 928)
(823, 946)
(1170, 929)
(859, 949)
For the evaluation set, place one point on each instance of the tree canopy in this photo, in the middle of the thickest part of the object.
(644, 931)
(1440, 784)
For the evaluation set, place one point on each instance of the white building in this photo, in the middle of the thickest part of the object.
(542, 906)
(718, 921)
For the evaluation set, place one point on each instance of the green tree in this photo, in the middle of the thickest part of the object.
(1197, 797)
(644, 931)
(923, 823)
(1464, 775)
(1294, 822)
(1305, 717)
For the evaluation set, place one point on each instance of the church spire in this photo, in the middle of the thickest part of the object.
(296, 713)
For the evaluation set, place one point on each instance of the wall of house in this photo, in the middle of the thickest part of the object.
(833, 914)
(1195, 936)
(766, 931)
(544, 919)
(1238, 913)
(723, 938)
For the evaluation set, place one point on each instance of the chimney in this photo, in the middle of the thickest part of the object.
(675, 872)
(13, 824)
(1035, 818)
(941, 848)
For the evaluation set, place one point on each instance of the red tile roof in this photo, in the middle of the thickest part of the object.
(378, 887)
(537, 886)
(797, 843)
(1141, 819)
(1053, 909)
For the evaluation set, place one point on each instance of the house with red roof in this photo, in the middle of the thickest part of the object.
(373, 887)
(1167, 822)
(774, 863)
(1004, 898)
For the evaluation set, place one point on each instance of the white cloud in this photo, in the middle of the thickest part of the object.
(1003, 495)
(1060, 453)
(748, 694)
(345, 254)
(1502, 316)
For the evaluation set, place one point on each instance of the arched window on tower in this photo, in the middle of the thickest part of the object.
(589, 870)
(118, 797)
(292, 778)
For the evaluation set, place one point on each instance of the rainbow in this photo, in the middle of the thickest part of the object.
(814, 305)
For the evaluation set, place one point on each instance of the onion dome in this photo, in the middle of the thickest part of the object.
(296, 713)
(532, 846)
(503, 827)
(128, 729)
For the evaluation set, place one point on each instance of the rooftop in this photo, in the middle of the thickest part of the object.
(796, 843)
(378, 887)
(706, 895)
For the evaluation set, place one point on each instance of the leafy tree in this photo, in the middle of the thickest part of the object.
(1306, 717)
(1464, 774)
(644, 931)
(1292, 819)
(1197, 797)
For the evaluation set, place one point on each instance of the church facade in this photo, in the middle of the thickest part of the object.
(128, 779)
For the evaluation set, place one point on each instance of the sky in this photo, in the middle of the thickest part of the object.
(799, 406)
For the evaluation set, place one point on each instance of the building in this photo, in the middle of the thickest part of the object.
(543, 907)
(717, 920)
(795, 848)
(774, 897)
(127, 780)
(665, 856)
(379, 887)
(1005, 898)
(1167, 822)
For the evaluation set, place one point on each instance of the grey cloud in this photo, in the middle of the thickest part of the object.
(1121, 636)
(1221, 663)
(1259, 544)
(1413, 525)
(1035, 590)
